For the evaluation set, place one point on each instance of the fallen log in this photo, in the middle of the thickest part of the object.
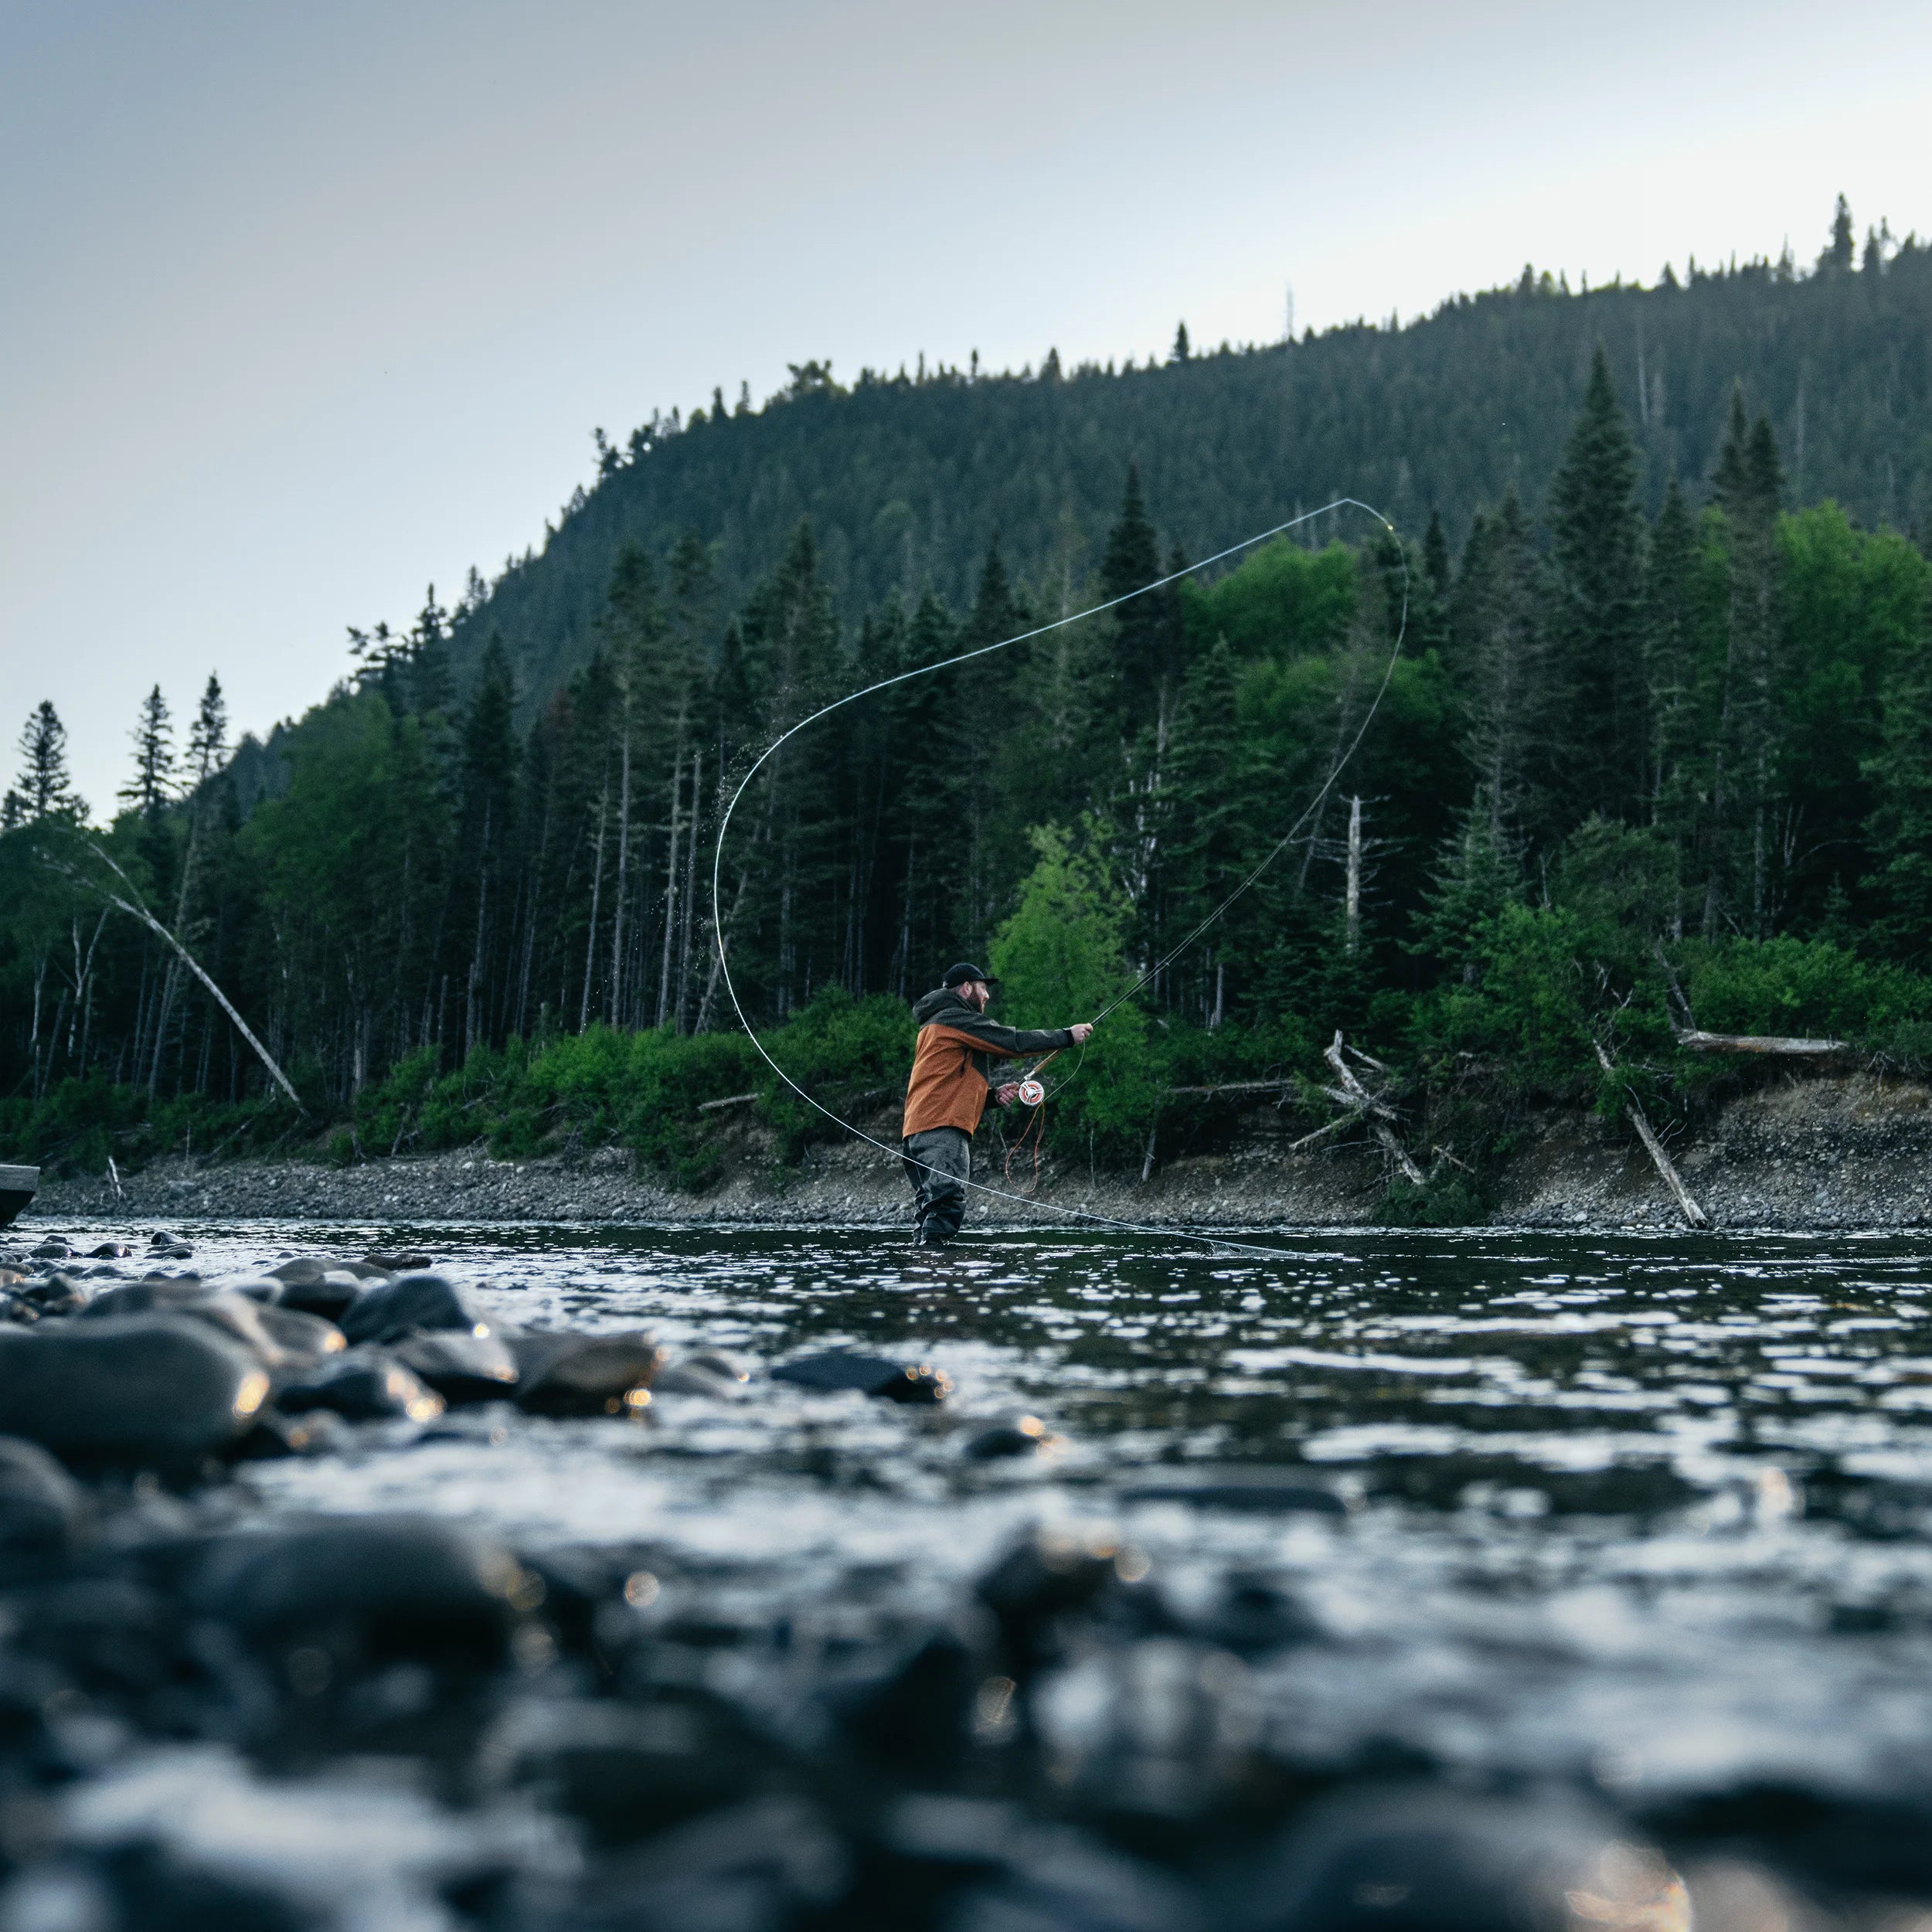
(1360, 1097)
(730, 1099)
(1666, 1167)
(1697, 1041)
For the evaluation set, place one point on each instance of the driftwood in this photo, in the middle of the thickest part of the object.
(1236, 1086)
(1366, 1104)
(730, 1099)
(1666, 1167)
(1698, 1041)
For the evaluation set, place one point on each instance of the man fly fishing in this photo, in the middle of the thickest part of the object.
(954, 1076)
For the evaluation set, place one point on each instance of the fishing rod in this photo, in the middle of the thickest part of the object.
(985, 650)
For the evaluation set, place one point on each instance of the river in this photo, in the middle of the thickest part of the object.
(1641, 1517)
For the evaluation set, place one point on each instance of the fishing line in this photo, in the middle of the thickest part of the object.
(984, 650)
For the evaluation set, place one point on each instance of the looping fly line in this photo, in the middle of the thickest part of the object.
(1167, 959)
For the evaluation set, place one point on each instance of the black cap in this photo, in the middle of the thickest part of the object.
(958, 975)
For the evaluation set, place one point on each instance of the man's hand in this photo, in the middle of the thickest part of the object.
(1005, 1096)
(1081, 1032)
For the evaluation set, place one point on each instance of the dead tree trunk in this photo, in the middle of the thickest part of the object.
(1370, 1107)
(1667, 1171)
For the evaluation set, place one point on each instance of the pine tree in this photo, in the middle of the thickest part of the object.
(152, 784)
(1181, 350)
(44, 786)
(430, 688)
(1671, 670)
(1148, 651)
(1598, 624)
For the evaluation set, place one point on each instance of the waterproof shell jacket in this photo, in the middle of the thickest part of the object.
(953, 1065)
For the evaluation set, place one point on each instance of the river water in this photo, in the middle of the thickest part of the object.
(1645, 1516)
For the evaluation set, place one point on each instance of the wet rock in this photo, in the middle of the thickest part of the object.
(460, 1367)
(870, 1374)
(233, 1316)
(399, 1308)
(364, 1385)
(52, 1248)
(109, 1251)
(628, 1770)
(277, 1433)
(397, 1263)
(1430, 1861)
(53, 1294)
(918, 1715)
(1045, 1581)
(366, 1593)
(1254, 1614)
(1073, 1883)
(328, 1296)
(42, 1508)
(584, 1375)
(176, 1250)
(1024, 1436)
(300, 1337)
(1237, 1486)
(149, 1391)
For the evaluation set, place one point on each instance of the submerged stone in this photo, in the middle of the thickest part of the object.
(1238, 1486)
(42, 1508)
(870, 1374)
(150, 1391)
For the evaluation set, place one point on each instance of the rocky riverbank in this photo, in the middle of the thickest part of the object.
(1800, 1152)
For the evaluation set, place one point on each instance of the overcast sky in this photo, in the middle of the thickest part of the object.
(303, 306)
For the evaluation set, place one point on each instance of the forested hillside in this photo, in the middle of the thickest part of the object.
(1628, 762)
(908, 476)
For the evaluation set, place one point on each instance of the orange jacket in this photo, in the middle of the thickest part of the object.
(954, 1064)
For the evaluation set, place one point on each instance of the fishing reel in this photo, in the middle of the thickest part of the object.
(1031, 1092)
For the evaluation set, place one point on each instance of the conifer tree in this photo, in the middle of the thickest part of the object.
(1146, 659)
(1181, 350)
(1900, 827)
(152, 784)
(431, 687)
(208, 735)
(44, 786)
(1670, 671)
(1838, 251)
(1597, 625)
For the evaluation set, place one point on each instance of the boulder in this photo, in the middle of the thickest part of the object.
(234, 1316)
(415, 1301)
(584, 1375)
(160, 1391)
(872, 1375)
(300, 1337)
(328, 1296)
(1024, 1436)
(461, 1368)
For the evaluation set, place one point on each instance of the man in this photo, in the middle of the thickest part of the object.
(953, 1077)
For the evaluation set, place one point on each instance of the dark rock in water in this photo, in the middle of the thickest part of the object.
(328, 1296)
(362, 1385)
(687, 1378)
(584, 1375)
(147, 1391)
(461, 1368)
(1073, 1883)
(234, 1316)
(312, 1267)
(398, 1307)
(1431, 1860)
(277, 1433)
(300, 1337)
(42, 1508)
(627, 1769)
(371, 1591)
(397, 1263)
(56, 1294)
(171, 1251)
(1046, 1578)
(1024, 1436)
(872, 1375)
(52, 1248)
(1254, 1614)
(1237, 1486)
(109, 1251)
(918, 1715)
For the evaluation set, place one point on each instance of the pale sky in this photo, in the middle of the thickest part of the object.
(302, 306)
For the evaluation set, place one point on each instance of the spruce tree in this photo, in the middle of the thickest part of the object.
(1671, 669)
(44, 785)
(1597, 624)
(1147, 647)
(430, 688)
(208, 737)
(1181, 350)
(152, 784)
(1838, 251)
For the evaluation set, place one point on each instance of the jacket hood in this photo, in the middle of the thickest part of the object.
(941, 999)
